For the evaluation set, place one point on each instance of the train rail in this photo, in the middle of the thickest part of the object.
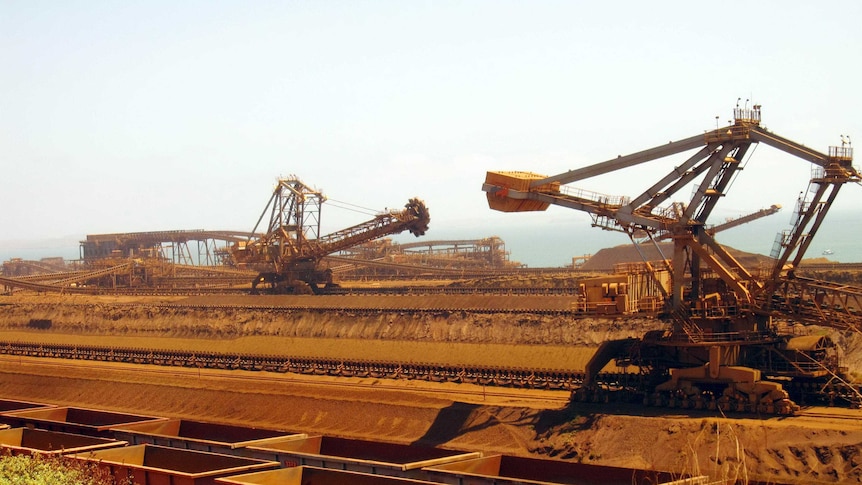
(492, 376)
(454, 290)
(541, 398)
(337, 290)
(373, 310)
(609, 386)
(493, 302)
(832, 265)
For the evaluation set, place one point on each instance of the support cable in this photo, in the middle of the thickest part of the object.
(352, 207)
(741, 167)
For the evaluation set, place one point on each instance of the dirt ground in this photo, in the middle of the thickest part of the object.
(801, 449)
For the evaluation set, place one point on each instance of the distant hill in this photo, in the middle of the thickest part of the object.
(605, 259)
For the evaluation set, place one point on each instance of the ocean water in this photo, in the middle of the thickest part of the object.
(66, 248)
(840, 235)
(555, 243)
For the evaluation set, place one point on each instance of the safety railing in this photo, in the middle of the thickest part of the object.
(843, 153)
(596, 197)
(747, 115)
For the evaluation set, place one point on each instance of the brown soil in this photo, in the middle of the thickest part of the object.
(801, 449)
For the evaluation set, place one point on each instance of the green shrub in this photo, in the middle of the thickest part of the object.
(50, 470)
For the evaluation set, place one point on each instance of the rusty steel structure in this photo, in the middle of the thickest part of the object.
(289, 253)
(286, 256)
(146, 263)
(387, 259)
(197, 247)
(732, 222)
(724, 339)
(196, 258)
(19, 267)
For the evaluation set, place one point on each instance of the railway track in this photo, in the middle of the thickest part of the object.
(355, 310)
(611, 387)
(490, 376)
(540, 398)
(454, 290)
(819, 413)
(356, 305)
(835, 266)
(338, 290)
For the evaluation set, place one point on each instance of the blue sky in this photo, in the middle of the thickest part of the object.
(137, 116)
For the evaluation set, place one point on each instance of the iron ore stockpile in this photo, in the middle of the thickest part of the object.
(287, 355)
(316, 365)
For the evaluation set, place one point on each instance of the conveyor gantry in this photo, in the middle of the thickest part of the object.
(710, 169)
(722, 340)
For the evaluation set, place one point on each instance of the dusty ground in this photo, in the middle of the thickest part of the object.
(777, 450)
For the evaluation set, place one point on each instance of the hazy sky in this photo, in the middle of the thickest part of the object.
(137, 116)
